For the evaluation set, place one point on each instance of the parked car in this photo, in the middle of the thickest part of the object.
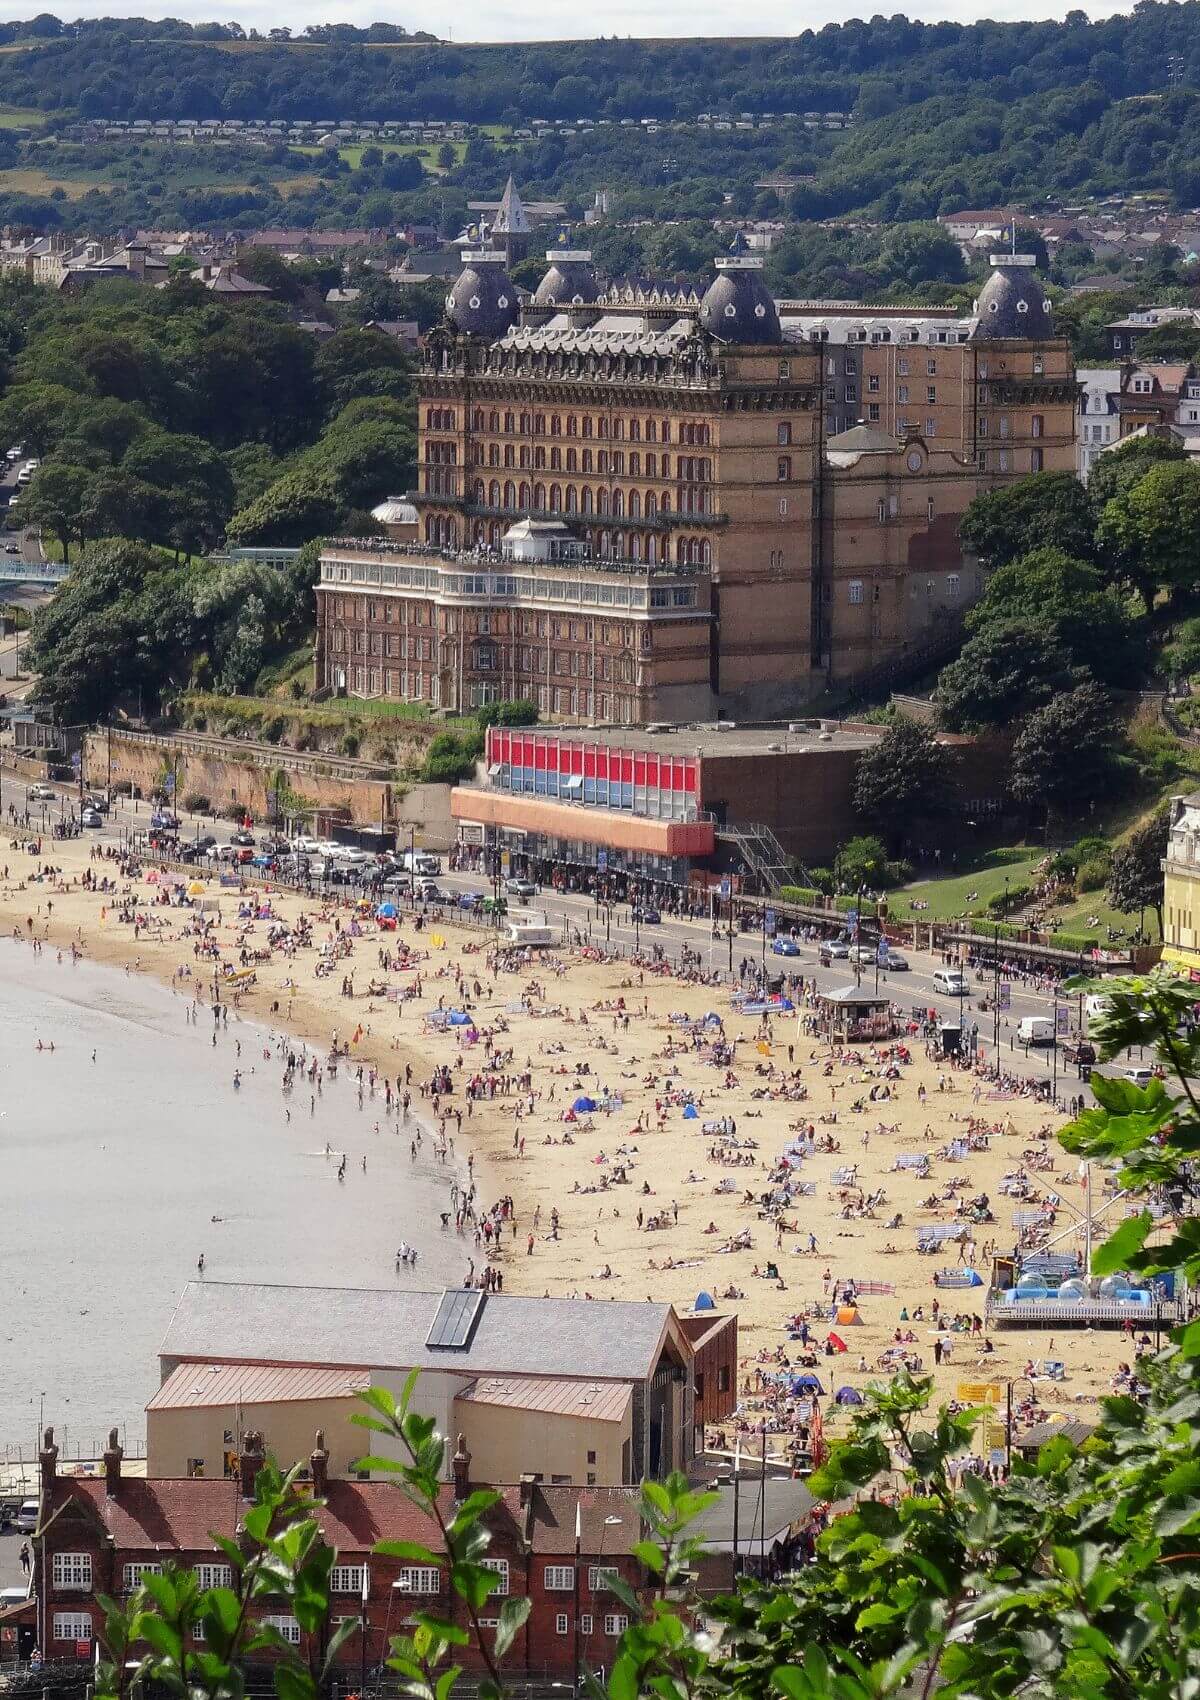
(97, 801)
(91, 817)
(863, 954)
(470, 900)
(834, 950)
(520, 888)
(164, 820)
(1137, 1075)
(26, 1520)
(647, 917)
(785, 947)
(42, 794)
(894, 959)
(243, 837)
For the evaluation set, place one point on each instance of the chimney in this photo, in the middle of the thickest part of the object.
(48, 1458)
(251, 1461)
(318, 1464)
(461, 1465)
(112, 1465)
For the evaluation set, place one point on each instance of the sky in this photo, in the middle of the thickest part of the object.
(502, 20)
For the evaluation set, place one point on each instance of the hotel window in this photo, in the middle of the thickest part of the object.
(951, 584)
(783, 471)
(348, 1579)
(783, 507)
(902, 368)
(902, 393)
(598, 1575)
(983, 426)
(931, 394)
(1039, 365)
(287, 1626)
(785, 370)
(133, 1574)
(783, 435)
(615, 1623)
(560, 1623)
(1035, 460)
(214, 1575)
(72, 1626)
(585, 1623)
(873, 383)
(500, 1566)
(72, 1570)
(559, 1578)
(854, 590)
(873, 412)
(851, 393)
(931, 367)
(1037, 424)
(931, 427)
(1004, 460)
(419, 1579)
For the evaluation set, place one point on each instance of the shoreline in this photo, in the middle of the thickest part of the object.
(564, 1028)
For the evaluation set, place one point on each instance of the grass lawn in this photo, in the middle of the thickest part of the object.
(957, 893)
(1077, 917)
(32, 182)
(22, 117)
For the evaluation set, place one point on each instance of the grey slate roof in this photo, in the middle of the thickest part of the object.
(367, 1328)
(788, 1501)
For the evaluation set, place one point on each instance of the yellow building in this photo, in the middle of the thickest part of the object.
(1181, 897)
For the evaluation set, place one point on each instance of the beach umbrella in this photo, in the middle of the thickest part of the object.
(704, 1301)
(387, 911)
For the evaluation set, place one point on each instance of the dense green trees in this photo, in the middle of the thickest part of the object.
(1136, 877)
(166, 417)
(903, 779)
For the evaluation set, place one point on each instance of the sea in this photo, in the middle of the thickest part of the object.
(126, 1152)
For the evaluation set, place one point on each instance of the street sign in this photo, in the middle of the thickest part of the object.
(1062, 1019)
(602, 861)
(1005, 994)
(769, 923)
(505, 860)
(169, 784)
(726, 890)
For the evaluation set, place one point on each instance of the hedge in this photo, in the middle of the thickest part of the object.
(844, 904)
(1003, 900)
(799, 894)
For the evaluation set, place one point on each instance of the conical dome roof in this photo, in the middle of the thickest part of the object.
(483, 301)
(1012, 303)
(737, 305)
(570, 282)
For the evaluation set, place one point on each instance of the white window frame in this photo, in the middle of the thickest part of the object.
(615, 1623)
(561, 1623)
(598, 1575)
(349, 1579)
(71, 1570)
(558, 1578)
(500, 1566)
(854, 590)
(419, 1579)
(214, 1576)
(585, 1623)
(287, 1626)
(133, 1573)
(72, 1626)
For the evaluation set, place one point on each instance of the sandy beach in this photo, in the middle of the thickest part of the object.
(695, 1123)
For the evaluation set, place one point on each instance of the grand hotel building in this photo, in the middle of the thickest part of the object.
(656, 506)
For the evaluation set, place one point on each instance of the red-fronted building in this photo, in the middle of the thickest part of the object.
(102, 1535)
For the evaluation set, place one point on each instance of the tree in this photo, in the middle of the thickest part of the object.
(862, 862)
(57, 498)
(1002, 672)
(917, 253)
(906, 775)
(1182, 655)
(1063, 755)
(1136, 877)
(1046, 509)
(1069, 599)
(1153, 529)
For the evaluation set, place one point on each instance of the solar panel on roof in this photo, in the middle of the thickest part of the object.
(454, 1324)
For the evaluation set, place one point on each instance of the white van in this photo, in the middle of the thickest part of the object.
(420, 862)
(1035, 1030)
(26, 1520)
(952, 981)
(534, 933)
(1094, 1005)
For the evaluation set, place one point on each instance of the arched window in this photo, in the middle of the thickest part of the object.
(555, 425)
(585, 500)
(635, 544)
(572, 461)
(605, 546)
(524, 424)
(665, 504)
(651, 466)
(493, 494)
(510, 494)
(494, 534)
(555, 499)
(587, 460)
(523, 497)
(510, 455)
(602, 460)
(602, 501)
(493, 454)
(477, 419)
(539, 496)
(572, 499)
(618, 504)
(539, 458)
(651, 505)
(635, 504)
(493, 420)
(571, 424)
(706, 553)
(480, 493)
(508, 421)
(635, 464)
(556, 460)
(652, 551)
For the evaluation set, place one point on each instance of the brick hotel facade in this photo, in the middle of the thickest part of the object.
(644, 506)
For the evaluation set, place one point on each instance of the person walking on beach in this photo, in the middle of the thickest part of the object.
(200, 1264)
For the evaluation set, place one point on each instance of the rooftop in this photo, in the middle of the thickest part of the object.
(710, 739)
(198, 1385)
(605, 1402)
(359, 1327)
(787, 1502)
